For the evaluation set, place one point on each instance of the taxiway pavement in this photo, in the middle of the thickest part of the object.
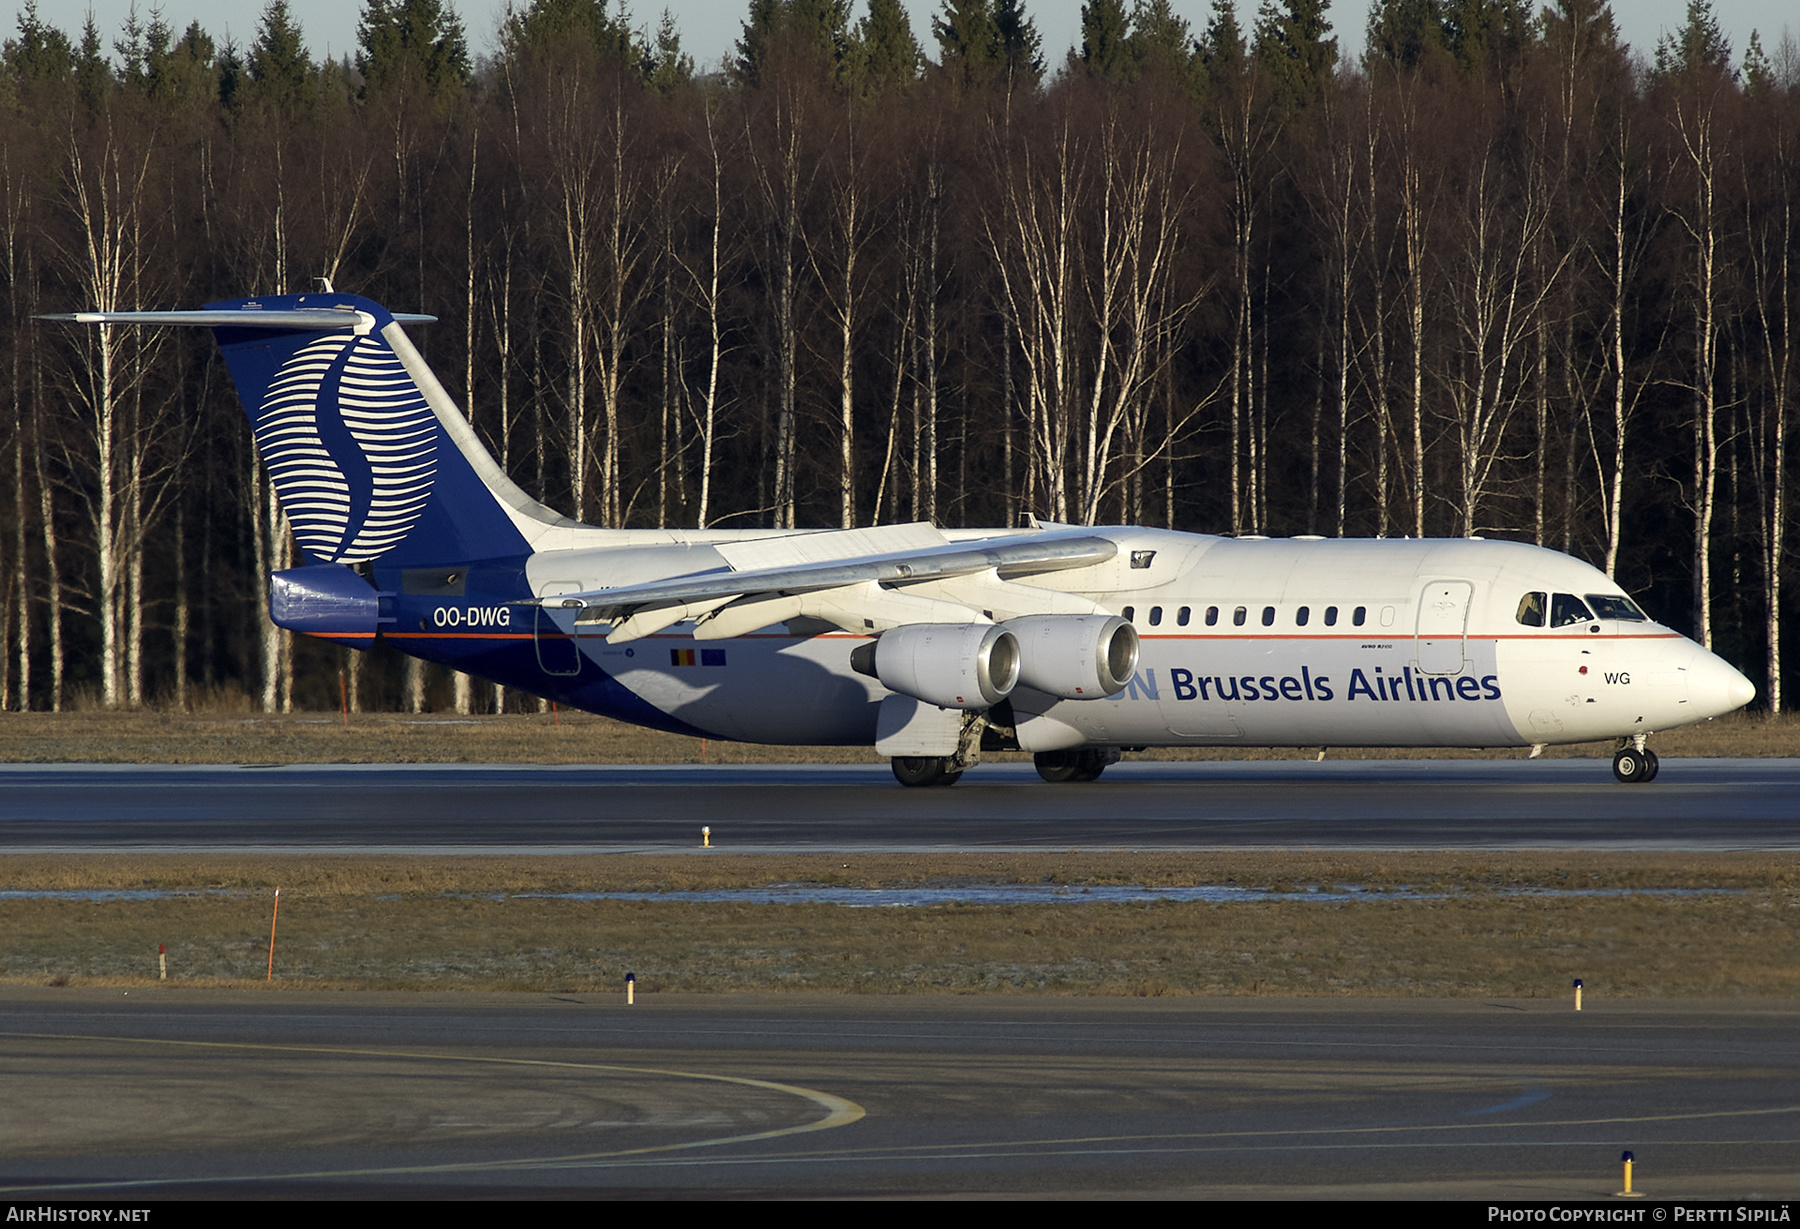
(182, 1093)
(1695, 804)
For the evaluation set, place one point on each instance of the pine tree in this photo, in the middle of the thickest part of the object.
(1021, 46)
(969, 44)
(1486, 35)
(1579, 28)
(1759, 74)
(552, 24)
(1161, 42)
(1293, 48)
(815, 30)
(884, 53)
(41, 52)
(93, 75)
(190, 71)
(412, 41)
(666, 66)
(1221, 50)
(1699, 46)
(1403, 32)
(1105, 40)
(133, 51)
(278, 67)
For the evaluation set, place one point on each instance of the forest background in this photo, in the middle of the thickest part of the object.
(1505, 276)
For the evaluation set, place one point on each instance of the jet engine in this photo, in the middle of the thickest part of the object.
(951, 665)
(1076, 657)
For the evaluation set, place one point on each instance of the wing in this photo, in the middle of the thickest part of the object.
(844, 583)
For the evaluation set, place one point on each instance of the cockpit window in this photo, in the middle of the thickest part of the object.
(1566, 608)
(1616, 606)
(1531, 610)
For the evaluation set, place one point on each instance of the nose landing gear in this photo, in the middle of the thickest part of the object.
(1635, 764)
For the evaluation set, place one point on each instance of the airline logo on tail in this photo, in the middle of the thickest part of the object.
(351, 446)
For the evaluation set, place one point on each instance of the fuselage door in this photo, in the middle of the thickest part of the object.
(554, 632)
(1443, 623)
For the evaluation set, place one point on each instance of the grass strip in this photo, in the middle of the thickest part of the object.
(447, 923)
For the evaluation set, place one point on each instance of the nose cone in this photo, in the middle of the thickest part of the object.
(1715, 687)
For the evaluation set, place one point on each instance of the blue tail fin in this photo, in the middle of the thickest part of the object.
(369, 456)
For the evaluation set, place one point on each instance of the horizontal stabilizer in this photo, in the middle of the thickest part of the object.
(322, 319)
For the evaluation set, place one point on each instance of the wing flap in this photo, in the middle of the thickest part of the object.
(749, 614)
(865, 608)
(652, 619)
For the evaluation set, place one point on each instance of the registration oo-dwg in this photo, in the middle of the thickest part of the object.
(472, 616)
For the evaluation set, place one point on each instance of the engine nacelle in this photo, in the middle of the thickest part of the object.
(951, 665)
(1076, 657)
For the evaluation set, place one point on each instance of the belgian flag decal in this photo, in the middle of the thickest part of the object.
(704, 657)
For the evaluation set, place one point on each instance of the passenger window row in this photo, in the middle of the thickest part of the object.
(1240, 616)
(1535, 610)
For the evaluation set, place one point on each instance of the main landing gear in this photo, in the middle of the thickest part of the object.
(1085, 764)
(922, 770)
(1634, 763)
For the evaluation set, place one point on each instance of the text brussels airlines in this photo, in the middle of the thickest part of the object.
(1307, 686)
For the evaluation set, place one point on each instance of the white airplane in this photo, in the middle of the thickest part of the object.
(933, 645)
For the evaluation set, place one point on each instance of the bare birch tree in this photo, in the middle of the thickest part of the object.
(1694, 123)
(849, 215)
(1770, 236)
(773, 132)
(1497, 293)
(104, 190)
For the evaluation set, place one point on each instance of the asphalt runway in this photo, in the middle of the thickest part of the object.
(188, 1093)
(184, 1094)
(1696, 804)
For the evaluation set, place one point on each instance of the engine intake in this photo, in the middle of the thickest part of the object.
(951, 665)
(1075, 657)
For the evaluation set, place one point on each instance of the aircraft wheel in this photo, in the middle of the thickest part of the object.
(1634, 767)
(921, 770)
(1057, 767)
(1089, 765)
(1653, 766)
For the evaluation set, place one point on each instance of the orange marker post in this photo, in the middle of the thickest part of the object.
(272, 920)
